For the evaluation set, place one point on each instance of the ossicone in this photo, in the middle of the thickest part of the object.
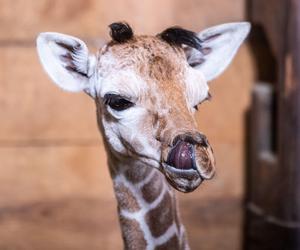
(120, 32)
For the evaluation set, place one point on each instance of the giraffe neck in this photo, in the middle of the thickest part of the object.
(147, 209)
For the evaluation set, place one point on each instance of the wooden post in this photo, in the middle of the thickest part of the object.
(288, 210)
(273, 200)
(261, 163)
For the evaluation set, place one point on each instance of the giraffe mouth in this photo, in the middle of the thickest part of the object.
(188, 165)
(184, 180)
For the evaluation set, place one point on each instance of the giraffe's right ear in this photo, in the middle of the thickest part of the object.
(66, 60)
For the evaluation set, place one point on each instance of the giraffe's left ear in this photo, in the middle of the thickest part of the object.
(219, 45)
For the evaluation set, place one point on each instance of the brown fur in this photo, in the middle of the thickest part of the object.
(135, 239)
(136, 174)
(152, 189)
(159, 219)
(125, 199)
(163, 67)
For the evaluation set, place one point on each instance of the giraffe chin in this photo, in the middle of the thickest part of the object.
(183, 180)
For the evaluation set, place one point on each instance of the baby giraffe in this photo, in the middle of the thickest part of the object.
(147, 90)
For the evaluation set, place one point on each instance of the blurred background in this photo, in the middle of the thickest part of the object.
(55, 189)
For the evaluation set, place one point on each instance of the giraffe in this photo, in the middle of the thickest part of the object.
(147, 90)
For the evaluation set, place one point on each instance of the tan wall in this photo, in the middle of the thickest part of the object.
(55, 190)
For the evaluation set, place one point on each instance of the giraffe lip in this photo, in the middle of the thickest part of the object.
(184, 180)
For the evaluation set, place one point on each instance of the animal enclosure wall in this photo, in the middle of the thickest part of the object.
(55, 189)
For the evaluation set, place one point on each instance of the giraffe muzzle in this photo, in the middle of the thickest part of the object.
(189, 162)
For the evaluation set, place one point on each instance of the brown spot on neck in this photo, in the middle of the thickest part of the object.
(153, 188)
(132, 234)
(160, 218)
(125, 198)
(136, 174)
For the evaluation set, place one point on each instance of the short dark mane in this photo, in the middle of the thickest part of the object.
(179, 36)
(120, 32)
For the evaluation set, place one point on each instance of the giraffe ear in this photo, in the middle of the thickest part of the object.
(66, 60)
(219, 45)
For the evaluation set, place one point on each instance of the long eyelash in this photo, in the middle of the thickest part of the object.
(208, 98)
(117, 102)
(107, 97)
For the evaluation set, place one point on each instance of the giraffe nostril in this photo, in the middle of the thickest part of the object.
(175, 140)
(192, 138)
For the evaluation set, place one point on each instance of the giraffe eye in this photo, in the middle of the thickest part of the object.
(208, 98)
(117, 102)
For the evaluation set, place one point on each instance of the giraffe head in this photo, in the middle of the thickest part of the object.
(147, 90)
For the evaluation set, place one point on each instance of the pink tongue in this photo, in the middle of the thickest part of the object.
(181, 156)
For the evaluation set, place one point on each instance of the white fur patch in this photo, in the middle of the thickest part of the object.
(124, 82)
(196, 86)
